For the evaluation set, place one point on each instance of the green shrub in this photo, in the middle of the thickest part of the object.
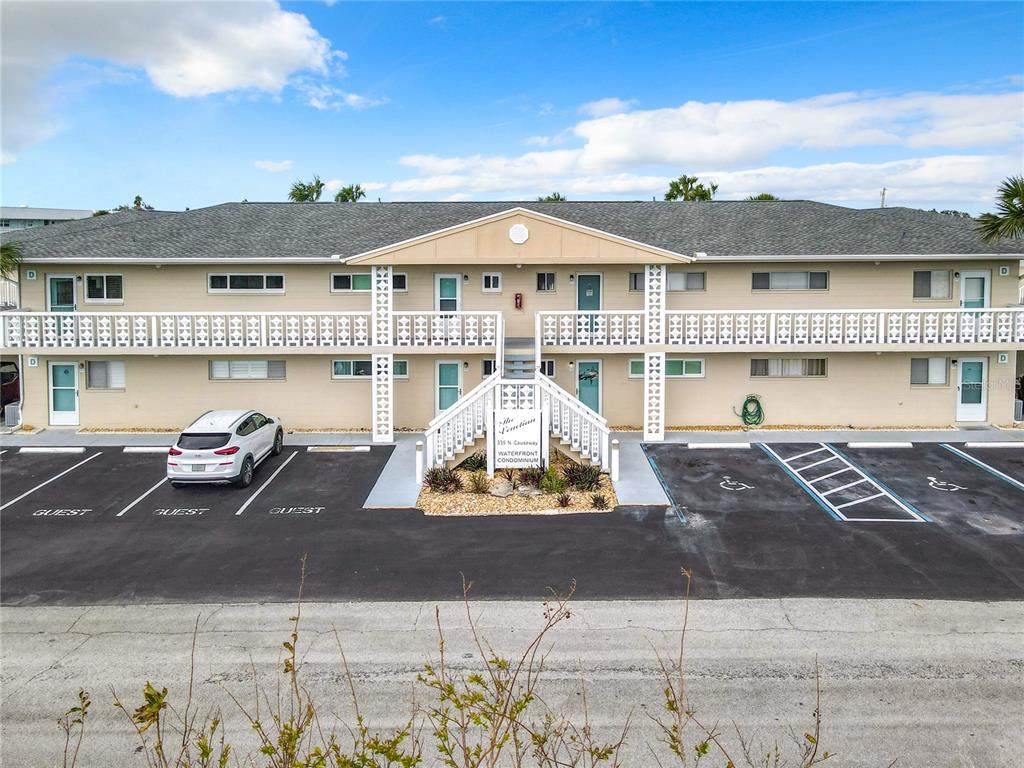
(531, 476)
(474, 462)
(442, 480)
(583, 477)
(564, 500)
(510, 475)
(479, 482)
(552, 482)
(598, 501)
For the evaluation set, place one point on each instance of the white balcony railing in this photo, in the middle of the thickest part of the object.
(603, 328)
(242, 330)
(9, 293)
(785, 327)
(427, 329)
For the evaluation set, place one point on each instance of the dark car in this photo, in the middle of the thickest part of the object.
(10, 384)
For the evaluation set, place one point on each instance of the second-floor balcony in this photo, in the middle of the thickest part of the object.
(718, 330)
(197, 331)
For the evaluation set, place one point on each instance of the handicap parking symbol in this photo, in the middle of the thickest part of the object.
(942, 485)
(734, 485)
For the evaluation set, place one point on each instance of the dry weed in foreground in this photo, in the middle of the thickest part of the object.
(488, 716)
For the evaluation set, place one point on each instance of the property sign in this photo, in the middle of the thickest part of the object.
(518, 439)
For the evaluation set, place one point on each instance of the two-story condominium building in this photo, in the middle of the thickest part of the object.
(649, 315)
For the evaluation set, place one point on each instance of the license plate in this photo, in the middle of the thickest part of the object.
(198, 467)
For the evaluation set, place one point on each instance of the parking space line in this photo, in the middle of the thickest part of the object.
(844, 487)
(54, 449)
(859, 501)
(821, 497)
(977, 462)
(830, 474)
(808, 453)
(268, 482)
(162, 481)
(55, 477)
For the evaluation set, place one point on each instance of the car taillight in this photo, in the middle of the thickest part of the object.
(227, 451)
(174, 452)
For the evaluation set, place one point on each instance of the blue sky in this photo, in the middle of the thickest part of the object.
(192, 104)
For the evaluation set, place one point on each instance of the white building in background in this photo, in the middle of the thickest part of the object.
(22, 217)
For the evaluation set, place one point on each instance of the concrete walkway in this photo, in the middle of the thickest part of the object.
(397, 486)
(927, 683)
(638, 485)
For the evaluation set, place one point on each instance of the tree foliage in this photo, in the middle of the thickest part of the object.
(689, 188)
(353, 193)
(763, 197)
(554, 197)
(1008, 222)
(10, 258)
(306, 192)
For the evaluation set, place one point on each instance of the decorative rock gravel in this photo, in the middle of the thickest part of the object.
(510, 502)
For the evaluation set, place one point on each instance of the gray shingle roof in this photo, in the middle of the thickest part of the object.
(317, 230)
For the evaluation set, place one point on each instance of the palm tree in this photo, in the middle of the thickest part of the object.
(302, 192)
(688, 188)
(764, 196)
(353, 193)
(10, 258)
(1008, 223)
(554, 197)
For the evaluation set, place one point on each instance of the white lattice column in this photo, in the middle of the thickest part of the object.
(654, 303)
(383, 398)
(381, 306)
(654, 396)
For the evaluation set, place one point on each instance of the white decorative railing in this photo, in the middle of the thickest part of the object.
(425, 329)
(786, 327)
(469, 418)
(603, 328)
(241, 330)
(580, 426)
(9, 293)
(462, 423)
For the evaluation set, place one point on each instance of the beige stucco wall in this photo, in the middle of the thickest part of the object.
(861, 390)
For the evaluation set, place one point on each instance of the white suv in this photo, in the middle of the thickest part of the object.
(224, 446)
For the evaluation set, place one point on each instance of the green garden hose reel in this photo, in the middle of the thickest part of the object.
(752, 412)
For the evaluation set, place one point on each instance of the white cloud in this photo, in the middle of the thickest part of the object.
(605, 107)
(322, 95)
(635, 153)
(274, 166)
(186, 49)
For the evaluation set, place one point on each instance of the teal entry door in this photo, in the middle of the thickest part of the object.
(449, 384)
(447, 293)
(588, 384)
(974, 290)
(61, 293)
(588, 293)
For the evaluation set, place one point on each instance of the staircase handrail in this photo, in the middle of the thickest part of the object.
(465, 401)
(558, 393)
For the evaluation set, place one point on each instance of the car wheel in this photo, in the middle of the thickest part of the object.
(278, 443)
(244, 479)
(175, 484)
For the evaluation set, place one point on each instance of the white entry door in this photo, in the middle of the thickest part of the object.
(972, 389)
(449, 384)
(974, 288)
(64, 394)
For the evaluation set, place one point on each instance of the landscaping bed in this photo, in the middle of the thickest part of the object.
(566, 488)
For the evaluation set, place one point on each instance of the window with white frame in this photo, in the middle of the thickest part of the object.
(929, 371)
(675, 368)
(399, 282)
(353, 369)
(351, 282)
(788, 367)
(489, 367)
(545, 281)
(789, 281)
(247, 370)
(636, 281)
(686, 281)
(931, 283)
(245, 282)
(104, 289)
(547, 367)
(492, 282)
(105, 374)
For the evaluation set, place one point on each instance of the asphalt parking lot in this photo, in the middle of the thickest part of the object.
(777, 520)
